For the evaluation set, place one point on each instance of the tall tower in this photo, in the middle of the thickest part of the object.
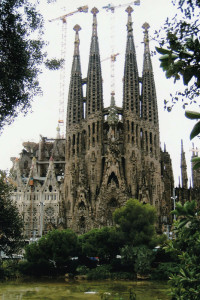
(94, 112)
(184, 177)
(74, 145)
(111, 159)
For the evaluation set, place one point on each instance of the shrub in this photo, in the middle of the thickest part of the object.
(164, 270)
(101, 272)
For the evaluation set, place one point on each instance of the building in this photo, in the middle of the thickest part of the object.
(110, 154)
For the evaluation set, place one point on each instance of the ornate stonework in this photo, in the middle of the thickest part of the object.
(109, 154)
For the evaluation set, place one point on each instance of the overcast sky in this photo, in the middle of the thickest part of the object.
(43, 120)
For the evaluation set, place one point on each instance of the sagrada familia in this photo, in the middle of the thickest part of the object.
(110, 154)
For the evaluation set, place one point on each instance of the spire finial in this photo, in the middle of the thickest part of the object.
(181, 145)
(76, 28)
(94, 11)
(129, 10)
(146, 26)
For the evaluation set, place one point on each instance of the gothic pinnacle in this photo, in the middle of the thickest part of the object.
(76, 28)
(146, 26)
(94, 11)
(129, 10)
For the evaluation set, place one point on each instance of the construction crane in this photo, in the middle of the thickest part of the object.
(110, 7)
(63, 18)
(112, 57)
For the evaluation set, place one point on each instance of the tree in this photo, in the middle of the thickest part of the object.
(185, 285)
(195, 131)
(11, 224)
(179, 47)
(103, 243)
(54, 249)
(21, 55)
(136, 222)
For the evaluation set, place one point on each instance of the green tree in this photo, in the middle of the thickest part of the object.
(179, 46)
(138, 258)
(11, 224)
(21, 55)
(136, 223)
(195, 132)
(103, 243)
(55, 249)
(185, 285)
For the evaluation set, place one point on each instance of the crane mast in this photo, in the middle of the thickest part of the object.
(63, 18)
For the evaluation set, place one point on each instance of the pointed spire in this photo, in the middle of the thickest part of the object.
(75, 96)
(58, 132)
(76, 62)
(131, 101)
(94, 11)
(149, 109)
(33, 172)
(94, 94)
(184, 177)
(147, 59)
(94, 45)
(77, 28)
(113, 116)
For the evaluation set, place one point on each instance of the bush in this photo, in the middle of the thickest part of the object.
(40, 268)
(123, 276)
(9, 269)
(164, 270)
(101, 272)
(82, 270)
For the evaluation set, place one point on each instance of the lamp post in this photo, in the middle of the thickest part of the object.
(174, 197)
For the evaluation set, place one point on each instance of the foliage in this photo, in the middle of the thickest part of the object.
(55, 248)
(100, 272)
(122, 275)
(140, 258)
(195, 132)
(9, 269)
(186, 283)
(164, 270)
(179, 48)
(11, 224)
(136, 223)
(54, 64)
(21, 55)
(82, 270)
(103, 243)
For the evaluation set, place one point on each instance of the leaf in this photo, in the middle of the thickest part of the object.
(196, 166)
(162, 51)
(192, 114)
(187, 75)
(168, 57)
(195, 131)
(195, 159)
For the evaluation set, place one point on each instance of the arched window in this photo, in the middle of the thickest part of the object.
(114, 178)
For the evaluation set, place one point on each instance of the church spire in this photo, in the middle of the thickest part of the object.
(94, 94)
(184, 177)
(131, 101)
(75, 97)
(149, 110)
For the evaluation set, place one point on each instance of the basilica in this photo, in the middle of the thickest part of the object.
(109, 154)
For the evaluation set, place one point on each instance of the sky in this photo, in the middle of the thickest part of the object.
(45, 109)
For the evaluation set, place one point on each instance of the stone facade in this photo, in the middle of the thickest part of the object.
(110, 154)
